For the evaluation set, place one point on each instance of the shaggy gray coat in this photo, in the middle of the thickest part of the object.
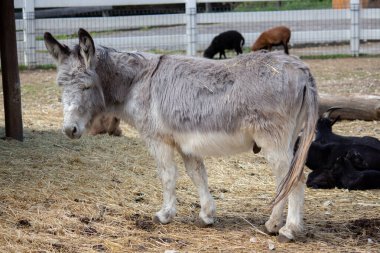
(197, 107)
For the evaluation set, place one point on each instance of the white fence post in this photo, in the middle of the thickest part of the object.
(191, 26)
(355, 29)
(29, 33)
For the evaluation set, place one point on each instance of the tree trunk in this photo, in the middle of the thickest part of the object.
(361, 107)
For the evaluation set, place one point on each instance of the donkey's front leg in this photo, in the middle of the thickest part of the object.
(197, 172)
(167, 171)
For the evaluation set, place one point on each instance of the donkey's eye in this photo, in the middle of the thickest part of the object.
(86, 88)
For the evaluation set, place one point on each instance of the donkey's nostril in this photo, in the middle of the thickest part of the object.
(72, 131)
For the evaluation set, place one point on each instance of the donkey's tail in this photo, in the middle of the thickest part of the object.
(309, 109)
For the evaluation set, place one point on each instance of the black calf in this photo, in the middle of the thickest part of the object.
(323, 156)
(321, 179)
(331, 168)
(345, 174)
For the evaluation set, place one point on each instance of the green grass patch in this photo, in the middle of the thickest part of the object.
(47, 66)
(22, 67)
(160, 51)
(30, 89)
(326, 56)
(60, 36)
(284, 5)
(335, 56)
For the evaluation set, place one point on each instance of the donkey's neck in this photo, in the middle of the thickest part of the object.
(118, 72)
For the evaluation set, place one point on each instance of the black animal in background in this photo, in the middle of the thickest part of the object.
(349, 171)
(324, 133)
(323, 156)
(226, 40)
(327, 155)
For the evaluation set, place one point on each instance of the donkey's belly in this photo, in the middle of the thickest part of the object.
(214, 144)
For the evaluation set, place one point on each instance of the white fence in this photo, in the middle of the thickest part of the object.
(191, 38)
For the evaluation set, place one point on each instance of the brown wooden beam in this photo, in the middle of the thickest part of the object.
(9, 68)
(354, 107)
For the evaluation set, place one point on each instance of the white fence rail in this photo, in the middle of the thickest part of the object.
(190, 38)
(85, 3)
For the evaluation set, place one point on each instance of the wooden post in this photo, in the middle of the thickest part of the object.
(9, 66)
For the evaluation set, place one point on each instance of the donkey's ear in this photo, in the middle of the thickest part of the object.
(87, 48)
(56, 49)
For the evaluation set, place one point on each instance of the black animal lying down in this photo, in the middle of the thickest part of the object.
(342, 161)
(349, 171)
(323, 156)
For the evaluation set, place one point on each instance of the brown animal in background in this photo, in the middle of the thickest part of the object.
(279, 35)
(105, 124)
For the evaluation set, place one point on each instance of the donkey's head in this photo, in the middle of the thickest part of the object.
(82, 96)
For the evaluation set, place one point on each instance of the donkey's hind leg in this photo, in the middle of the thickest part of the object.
(281, 163)
(167, 171)
(197, 172)
(295, 213)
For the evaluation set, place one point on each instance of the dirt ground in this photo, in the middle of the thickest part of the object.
(98, 194)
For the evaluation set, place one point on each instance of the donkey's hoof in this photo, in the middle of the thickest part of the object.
(202, 224)
(287, 233)
(273, 228)
(266, 231)
(164, 216)
(283, 239)
(157, 220)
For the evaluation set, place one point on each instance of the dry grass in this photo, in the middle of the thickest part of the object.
(98, 194)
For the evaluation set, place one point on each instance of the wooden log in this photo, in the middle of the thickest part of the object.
(360, 107)
(9, 65)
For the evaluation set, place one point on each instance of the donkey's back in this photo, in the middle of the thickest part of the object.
(252, 95)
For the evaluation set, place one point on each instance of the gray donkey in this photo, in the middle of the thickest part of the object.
(197, 107)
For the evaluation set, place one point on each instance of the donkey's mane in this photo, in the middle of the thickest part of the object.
(104, 51)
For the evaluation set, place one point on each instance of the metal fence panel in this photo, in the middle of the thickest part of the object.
(314, 32)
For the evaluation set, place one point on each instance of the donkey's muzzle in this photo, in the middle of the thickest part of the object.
(72, 132)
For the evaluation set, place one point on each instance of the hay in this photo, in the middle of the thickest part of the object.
(98, 194)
